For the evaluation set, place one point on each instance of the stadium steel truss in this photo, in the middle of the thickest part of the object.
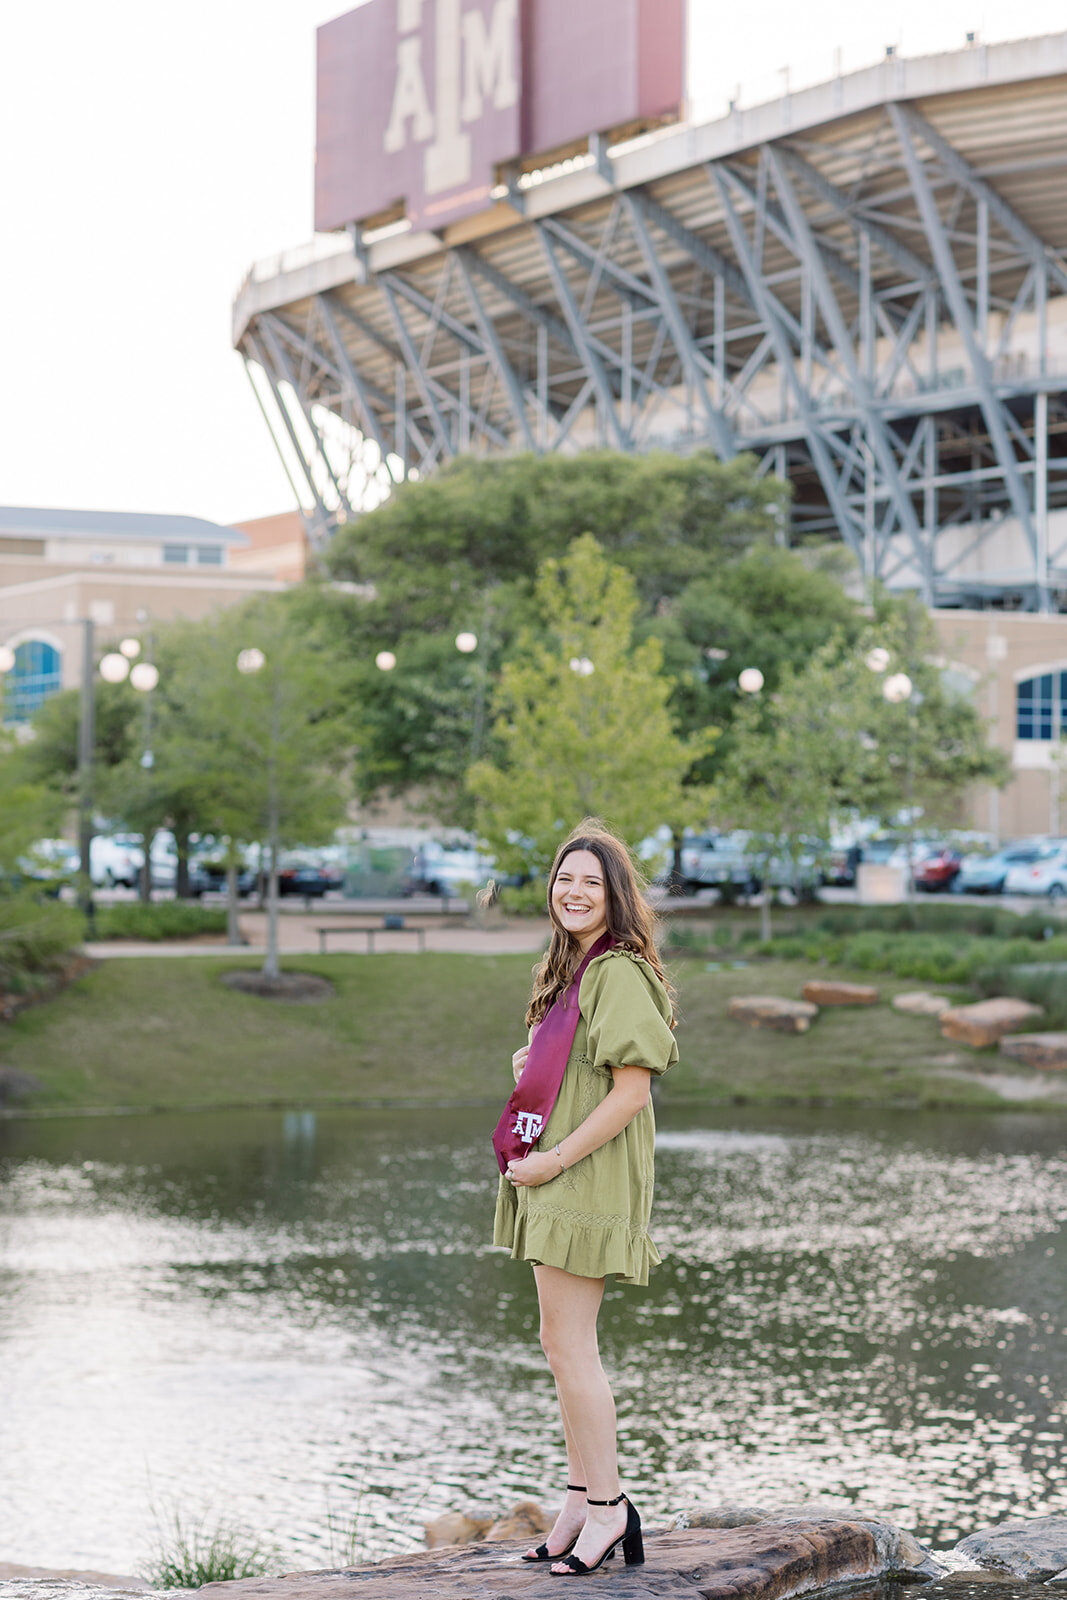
(863, 284)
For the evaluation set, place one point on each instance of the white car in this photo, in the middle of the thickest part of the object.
(1047, 875)
(116, 859)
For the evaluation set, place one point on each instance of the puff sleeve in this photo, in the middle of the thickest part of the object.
(627, 1014)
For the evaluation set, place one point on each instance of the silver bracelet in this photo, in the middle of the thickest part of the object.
(562, 1168)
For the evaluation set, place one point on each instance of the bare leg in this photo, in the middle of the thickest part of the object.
(569, 1309)
(572, 1512)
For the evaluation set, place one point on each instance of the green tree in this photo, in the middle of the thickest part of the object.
(263, 748)
(460, 552)
(827, 744)
(582, 721)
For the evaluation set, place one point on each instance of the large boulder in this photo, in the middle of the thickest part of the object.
(1048, 1051)
(524, 1521)
(458, 1527)
(921, 1003)
(771, 1011)
(988, 1021)
(825, 992)
(1034, 1549)
(770, 1560)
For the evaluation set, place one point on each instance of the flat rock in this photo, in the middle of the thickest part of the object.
(1045, 1050)
(768, 1561)
(921, 1003)
(771, 1011)
(987, 1022)
(824, 992)
(1035, 1549)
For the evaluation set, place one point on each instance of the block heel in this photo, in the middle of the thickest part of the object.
(633, 1547)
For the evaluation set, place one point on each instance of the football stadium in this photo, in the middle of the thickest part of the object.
(863, 283)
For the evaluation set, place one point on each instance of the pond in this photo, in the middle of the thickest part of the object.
(294, 1322)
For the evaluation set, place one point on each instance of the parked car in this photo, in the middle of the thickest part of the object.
(1046, 875)
(985, 872)
(937, 869)
(305, 876)
(50, 864)
(209, 877)
(115, 860)
(717, 860)
(842, 864)
(439, 869)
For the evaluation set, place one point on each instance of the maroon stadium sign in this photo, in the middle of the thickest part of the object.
(419, 101)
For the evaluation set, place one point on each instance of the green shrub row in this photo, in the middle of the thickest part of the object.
(928, 957)
(938, 916)
(162, 919)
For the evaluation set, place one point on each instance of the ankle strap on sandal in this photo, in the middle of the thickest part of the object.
(614, 1502)
(579, 1488)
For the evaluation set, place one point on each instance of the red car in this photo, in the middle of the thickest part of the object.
(937, 870)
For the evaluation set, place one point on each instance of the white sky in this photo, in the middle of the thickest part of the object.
(149, 154)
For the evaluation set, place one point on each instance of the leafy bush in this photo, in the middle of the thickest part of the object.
(926, 956)
(1045, 989)
(938, 916)
(527, 901)
(162, 919)
(34, 935)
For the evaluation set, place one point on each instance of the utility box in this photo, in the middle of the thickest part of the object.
(880, 883)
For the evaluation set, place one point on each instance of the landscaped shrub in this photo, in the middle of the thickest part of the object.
(35, 934)
(1045, 989)
(926, 957)
(162, 919)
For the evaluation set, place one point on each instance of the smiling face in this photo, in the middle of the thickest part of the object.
(579, 897)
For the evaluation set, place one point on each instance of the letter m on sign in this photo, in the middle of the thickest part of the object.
(489, 65)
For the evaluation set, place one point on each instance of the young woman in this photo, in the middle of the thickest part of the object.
(577, 1206)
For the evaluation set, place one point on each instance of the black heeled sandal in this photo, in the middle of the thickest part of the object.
(542, 1552)
(633, 1548)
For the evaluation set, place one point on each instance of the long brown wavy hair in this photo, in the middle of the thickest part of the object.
(631, 920)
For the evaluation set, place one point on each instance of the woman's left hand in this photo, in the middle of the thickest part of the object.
(533, 1170)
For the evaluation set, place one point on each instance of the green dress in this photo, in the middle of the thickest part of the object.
(593, 1218)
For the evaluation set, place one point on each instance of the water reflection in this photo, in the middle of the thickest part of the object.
(289, 1314)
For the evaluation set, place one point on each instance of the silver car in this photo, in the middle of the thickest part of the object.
(1047, 875)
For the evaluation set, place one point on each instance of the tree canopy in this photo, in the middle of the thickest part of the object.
(582, 721)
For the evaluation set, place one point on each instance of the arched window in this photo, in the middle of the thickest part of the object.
(1041, 706)
(35, 675)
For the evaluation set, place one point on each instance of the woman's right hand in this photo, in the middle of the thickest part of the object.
(518, 1061)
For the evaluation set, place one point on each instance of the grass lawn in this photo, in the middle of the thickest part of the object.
(166, 1033)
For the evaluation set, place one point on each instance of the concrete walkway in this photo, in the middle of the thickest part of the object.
(297, 936)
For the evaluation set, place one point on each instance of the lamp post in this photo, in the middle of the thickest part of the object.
(898, 689)
(250, 662)
(114, 668)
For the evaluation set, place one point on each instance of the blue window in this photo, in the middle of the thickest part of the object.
(176, 555)
(209, 555)
(35, 675)
(1041, 706)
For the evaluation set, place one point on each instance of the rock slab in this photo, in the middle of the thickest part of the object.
(1034, 1549)
(987, 1022)
(768, 1561)
(823, 992)
(921, 1003)
(771, 1011)
(1048, 1051)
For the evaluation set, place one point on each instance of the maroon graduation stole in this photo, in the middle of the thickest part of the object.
(538, 1087)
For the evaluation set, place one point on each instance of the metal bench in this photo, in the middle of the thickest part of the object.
(386, 925)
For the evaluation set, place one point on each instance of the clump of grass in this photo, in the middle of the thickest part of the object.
(189, 1555)
(161, 919)
(347, 1546)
